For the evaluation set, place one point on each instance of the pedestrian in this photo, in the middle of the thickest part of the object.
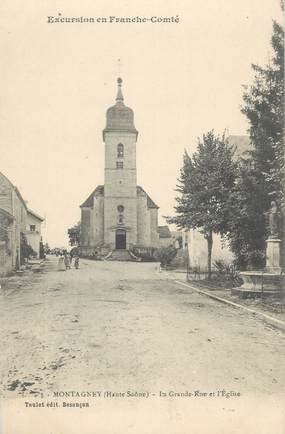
(61, 264)
(76, 262)
(67, 260)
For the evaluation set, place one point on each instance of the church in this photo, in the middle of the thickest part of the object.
(119, 214)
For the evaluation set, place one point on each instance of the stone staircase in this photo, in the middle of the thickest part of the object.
(121, 255)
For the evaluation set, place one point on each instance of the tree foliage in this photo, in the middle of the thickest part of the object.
(205, 185)
(263, 179)
(247, 220)
(264, 108)
(74, 234)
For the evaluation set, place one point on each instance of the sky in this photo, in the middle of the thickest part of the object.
(57, 81)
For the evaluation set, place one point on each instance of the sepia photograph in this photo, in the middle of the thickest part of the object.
(142, 217)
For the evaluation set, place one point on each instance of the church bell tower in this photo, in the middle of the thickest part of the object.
(120, 186)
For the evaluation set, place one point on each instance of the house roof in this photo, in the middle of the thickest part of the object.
(15, 189)
(164, 232)
(35, 215)
(99, 191)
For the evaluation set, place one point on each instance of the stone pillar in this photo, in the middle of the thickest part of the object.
(273, 264)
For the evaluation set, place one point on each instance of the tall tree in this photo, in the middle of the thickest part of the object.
(264, 108)
(205, 184)
(263, 179)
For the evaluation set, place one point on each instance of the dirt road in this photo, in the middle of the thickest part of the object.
(125, 326)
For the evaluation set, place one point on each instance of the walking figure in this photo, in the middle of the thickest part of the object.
(76, 262)
(67, 261)
(61, 264)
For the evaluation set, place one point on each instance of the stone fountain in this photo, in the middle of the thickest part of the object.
(271, 280)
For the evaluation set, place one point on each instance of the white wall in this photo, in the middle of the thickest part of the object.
(198, 249)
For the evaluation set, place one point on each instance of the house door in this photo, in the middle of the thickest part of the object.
(120, 239)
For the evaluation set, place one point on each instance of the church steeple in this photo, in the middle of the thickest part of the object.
(120, 98)
(119, 118)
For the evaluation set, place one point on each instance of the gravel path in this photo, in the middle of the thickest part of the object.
(125, 326)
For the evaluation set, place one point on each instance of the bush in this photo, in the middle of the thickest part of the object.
(146, 254)
(227, 272)
(165, 255)
(25, 249)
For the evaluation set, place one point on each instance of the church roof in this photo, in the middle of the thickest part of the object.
(99, 191)
(150, 202)
(119, 117)
(164, 232)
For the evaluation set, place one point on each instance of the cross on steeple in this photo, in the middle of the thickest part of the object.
(119, 67)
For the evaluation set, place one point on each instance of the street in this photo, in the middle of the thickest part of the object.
(125, 326)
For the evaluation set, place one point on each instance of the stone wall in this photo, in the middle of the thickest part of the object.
(97, 222)
(85, 226)
(198, 250)
(143, 220)
(153, 217)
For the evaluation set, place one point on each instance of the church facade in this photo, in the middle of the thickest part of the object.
(119, 214)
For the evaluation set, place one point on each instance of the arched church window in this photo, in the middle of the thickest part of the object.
(120, 150)
(120, 209)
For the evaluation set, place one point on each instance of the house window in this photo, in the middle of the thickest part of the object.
(120, 150)
(32, 228)
(120, 165)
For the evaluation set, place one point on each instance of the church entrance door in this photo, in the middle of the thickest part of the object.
(120, 239)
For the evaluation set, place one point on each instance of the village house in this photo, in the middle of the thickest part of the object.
(14, 216)
(33, 231)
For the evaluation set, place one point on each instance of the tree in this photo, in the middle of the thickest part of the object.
(263, 179)
(42, 250)
(246, 221)
(264, 108)
(74, 234)
(205, 184)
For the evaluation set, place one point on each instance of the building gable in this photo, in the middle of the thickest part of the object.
(150, 202)
(99, 191)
